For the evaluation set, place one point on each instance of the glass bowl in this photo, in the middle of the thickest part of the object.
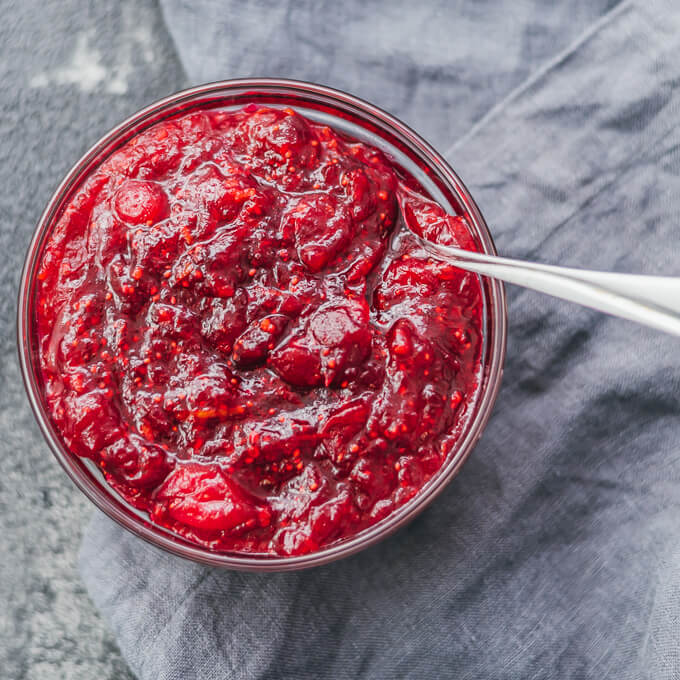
(361, 120)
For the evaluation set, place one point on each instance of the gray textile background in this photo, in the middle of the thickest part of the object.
(555, 552)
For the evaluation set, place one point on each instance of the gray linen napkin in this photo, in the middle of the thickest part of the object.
(555, 553)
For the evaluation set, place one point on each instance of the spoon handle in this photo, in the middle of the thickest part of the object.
(650, 300)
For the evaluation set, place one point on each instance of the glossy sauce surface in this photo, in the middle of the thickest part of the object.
(236, 325)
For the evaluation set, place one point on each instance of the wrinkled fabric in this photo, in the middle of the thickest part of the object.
(555, 552)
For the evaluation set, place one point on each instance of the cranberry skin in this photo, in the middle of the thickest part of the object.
(237, 327)
(219, 191)
(267, 131)
(141, 202)
(204, 498)
(336, 338)
(224, 320)
(340, 434)
(427, 219)
(297, 364)
(321, 229)
(136, 463)
(255, 343)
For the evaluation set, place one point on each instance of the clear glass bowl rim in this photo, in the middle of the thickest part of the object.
(495, 348)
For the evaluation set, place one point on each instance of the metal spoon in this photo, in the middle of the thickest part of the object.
(650, 300)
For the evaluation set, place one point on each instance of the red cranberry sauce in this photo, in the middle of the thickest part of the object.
(235, 324)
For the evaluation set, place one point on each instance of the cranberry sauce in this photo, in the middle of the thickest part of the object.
(235, 324)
